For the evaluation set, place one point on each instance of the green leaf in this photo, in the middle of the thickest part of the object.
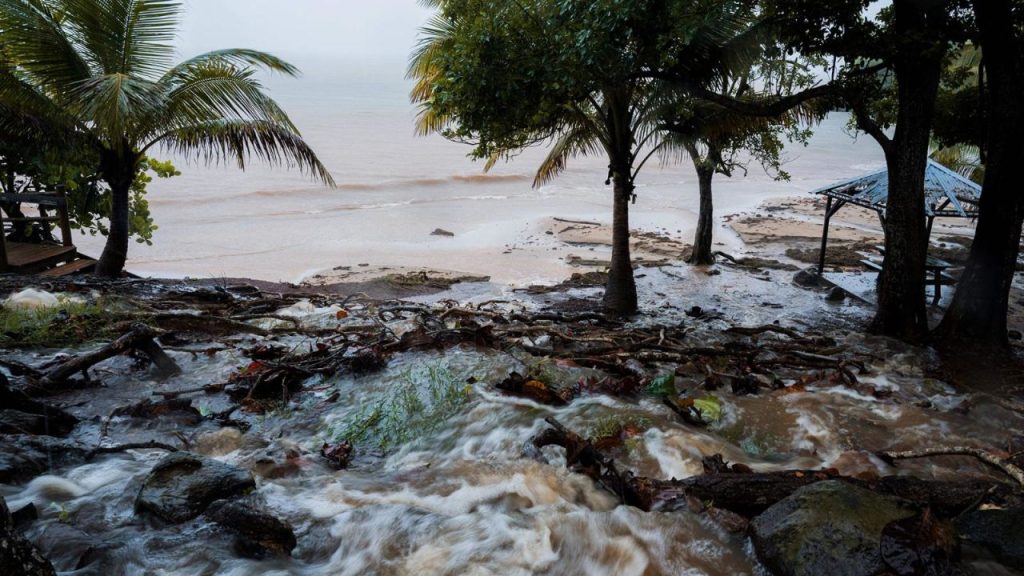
(662, 386)
(709, 407)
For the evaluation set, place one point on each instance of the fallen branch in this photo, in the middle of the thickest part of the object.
(139, 338)
(985, 456)
(152, 445)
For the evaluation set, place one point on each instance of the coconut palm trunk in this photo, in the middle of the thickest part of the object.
(120, 174)
(702, 253)
(620, 293)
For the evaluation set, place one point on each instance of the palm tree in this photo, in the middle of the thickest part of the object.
(612, 116)
(719, 141)
(105, 69)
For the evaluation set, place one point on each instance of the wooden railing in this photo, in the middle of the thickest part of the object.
(58, 202)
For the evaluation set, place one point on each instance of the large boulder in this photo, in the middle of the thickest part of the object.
(999, 532)
(23, 457)
(181, 486)
(259, 533)
(830, 527)
(17, 555)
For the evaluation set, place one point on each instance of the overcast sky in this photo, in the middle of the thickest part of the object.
(303, 27)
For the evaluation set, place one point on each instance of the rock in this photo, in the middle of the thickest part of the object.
(25, 515)
(337, 455)
(67, 547)
(24, 415)
(830, 527)
(1015, 335)
(1000, 532)
(23, 457)
(836, 294)
(18, 555)
(442, 232)
(182, 486)
(260, 534)
(808, 279)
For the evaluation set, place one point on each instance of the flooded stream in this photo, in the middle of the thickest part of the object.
(464, 495)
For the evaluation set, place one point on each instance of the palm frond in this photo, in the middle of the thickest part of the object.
(132, 37)
(233, 57)
(579, 140)
(214, 90)
(34, 38)
(112, 104)
(222, 141)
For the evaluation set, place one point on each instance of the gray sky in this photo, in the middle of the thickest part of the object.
(303, 27)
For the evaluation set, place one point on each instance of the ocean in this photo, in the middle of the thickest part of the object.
(394, 188)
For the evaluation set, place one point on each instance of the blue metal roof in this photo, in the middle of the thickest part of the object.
(941, 185)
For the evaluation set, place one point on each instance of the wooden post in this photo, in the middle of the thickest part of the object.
(65, 220)
(931, 220)
(824, 236)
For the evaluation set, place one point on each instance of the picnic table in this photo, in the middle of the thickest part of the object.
(935, 266)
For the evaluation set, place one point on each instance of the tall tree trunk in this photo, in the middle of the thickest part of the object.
(620, 294)
(119, 175)
(702, 252)
(902, 311)
(977, 316)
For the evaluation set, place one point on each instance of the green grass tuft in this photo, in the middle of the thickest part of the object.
(418, 405)
(69, 324)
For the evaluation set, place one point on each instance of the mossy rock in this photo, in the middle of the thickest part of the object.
(831, 527)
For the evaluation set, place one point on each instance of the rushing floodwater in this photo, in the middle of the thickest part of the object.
(464, 498)
(395, 188)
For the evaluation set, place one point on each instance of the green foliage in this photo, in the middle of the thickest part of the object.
(612, 426)
(90, 204)
(574, 60)
(418, 405)
(709, 408)
(71, 323)
(663, 386)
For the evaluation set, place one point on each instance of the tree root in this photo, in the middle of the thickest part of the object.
(985, 456)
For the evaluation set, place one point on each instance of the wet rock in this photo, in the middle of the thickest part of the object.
(24, 415)
(808, 279)
(836, 294)
(25, 515)
(178, 409)
(920, 544)
(337, 455)
(1015, 335)
(999, 532)
(70, 548)
(23, 457)
(830, 527)
(260, 534)
(442, 232)
(182, 486)
(18, 555)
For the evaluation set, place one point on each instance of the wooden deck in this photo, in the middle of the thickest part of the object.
(51, 259)
(20, 255)
(46, 259)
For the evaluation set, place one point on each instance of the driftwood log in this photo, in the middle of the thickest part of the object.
(139, 338)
